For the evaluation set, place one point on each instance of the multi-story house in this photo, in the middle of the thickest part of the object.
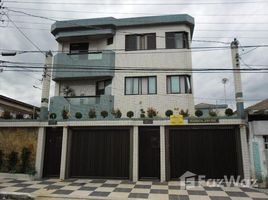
(128, 64)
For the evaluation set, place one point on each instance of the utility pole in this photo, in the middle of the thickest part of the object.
(224, 81)
(46, 86)
(237, 79)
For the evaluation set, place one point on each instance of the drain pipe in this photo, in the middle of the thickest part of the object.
(46, 86)
(237, 79)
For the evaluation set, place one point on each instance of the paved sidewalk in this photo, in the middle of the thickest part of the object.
(119, 190)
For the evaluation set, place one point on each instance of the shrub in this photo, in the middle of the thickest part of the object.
(151, 112)
(53, 116)
(1, 159)
(65, 113)
(168, 113)
(78, 115)
(25, 159)
(198, 113)
(19, 116)
(12, 161)
(130, 114)
(142, 115)
(104, 113)
(31, 171)
(117, 113)
(229, 112)
(212, 113)
(92, 113)
(184, 113)
(6, 115)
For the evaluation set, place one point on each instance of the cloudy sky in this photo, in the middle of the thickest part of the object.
(215, 20)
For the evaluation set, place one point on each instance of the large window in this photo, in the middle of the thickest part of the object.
(78, 48)
(101, 86)
(140, 85)
(177, 40)
(140, 42)
(179, 84)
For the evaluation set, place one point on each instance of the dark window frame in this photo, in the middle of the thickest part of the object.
(135, 35)
(168, 82)
(140, 85)
(85, 44)
(110, 40)
(106, 83)
(185, 35)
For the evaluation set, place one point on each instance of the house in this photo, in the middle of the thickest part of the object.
(258, 139)
(218, 108)
(128, 64)
(15, 107)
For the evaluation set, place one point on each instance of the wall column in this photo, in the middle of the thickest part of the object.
(245, 152)
(135, 162)
(64, 155)
(162, 154)
(40, 152)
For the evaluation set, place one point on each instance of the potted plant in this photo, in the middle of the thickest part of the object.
(229, 112)
(198, 113)
(130, 114)
(117, 113)
(53, 116)
(12, 161)
(184, 113)
(92, 113)
(78, 115)
(25, 159)
(65, 113)
(212, 113)
(31, 172)
(104, 113)
(142, 115)
(168, 113)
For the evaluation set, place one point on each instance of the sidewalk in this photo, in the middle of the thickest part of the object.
(120, 190)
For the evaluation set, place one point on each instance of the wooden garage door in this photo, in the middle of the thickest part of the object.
(211, 152)
(100, 153)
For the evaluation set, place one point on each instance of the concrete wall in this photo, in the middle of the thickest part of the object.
(15, 139)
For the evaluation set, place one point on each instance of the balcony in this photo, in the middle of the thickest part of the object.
(93, 64)
(81, 104)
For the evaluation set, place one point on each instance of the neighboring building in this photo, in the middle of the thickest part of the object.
(128, 64)
(205, 108)
(258, 139)
(16, 107)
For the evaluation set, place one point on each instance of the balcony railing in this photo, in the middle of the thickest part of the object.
(86, 100)
(92, 64)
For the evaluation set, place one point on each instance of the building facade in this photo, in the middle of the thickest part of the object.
(128, 64)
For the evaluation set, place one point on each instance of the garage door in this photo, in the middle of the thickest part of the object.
(213, 152)
(97, 153)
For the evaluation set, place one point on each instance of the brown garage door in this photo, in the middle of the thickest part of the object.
(213, 152)
(100, 153)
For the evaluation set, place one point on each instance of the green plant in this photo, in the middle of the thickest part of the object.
(151, 112)
(1, 159)
(78, 115)
(12, 161)
(130, 114)
(65, 113)
(229, 112)
(184, 113)
(104, 113)
(31, 171)
(25, 159)
(212, 113)
(198, 113)
(142, 115)
(92, 113)
(117, 113)
(6, 115)
(168, 113)
(19, 116)
(53, 116)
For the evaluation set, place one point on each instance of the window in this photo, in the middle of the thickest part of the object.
(101, 86)
(78, 48)
(140, 42)
(177, 40)
(265, 142)
(179, 84)
(140, 85)
(110, 41)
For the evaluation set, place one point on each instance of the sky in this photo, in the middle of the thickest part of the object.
(215, 22)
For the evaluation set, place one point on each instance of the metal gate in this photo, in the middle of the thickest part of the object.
(100, 153)
(149, 153)
(52, 156)
(213, 152)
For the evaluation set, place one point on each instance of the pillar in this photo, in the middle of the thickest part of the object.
(245, 152)
(40, 152)
(135, 168)
(64, 148)
(162, 154)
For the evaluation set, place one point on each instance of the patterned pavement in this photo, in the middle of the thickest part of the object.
(118, 189)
